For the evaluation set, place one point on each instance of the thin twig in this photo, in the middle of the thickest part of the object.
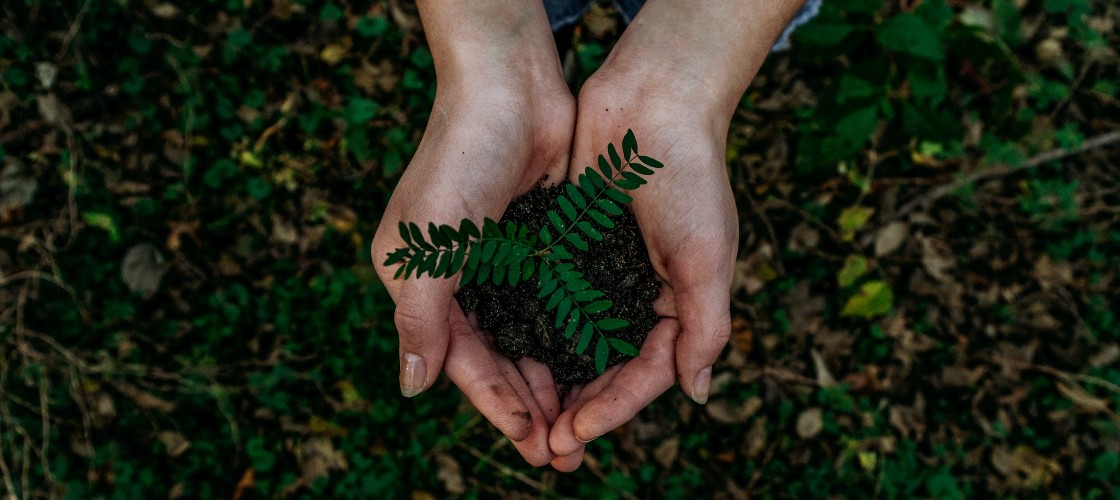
(1049, 156)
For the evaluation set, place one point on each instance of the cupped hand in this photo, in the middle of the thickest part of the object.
(688, 219)
(485, 144)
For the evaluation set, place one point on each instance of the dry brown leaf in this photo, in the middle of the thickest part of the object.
(724, 412)
(810, 423)
(175, 443)
(890, 237)
(824, 377)
(1084, 401)
(143, 269)
(937, 258)
(666, 452)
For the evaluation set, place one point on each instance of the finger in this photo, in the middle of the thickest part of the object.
(472, 368)
(703, 303)
(637, 384)
(422, 318)
(562, 439)
(534, 448)
(569, 463)
(541, 385)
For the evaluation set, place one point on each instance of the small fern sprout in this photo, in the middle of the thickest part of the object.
(509, 254)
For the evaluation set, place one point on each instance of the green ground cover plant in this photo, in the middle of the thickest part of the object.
(924, 300)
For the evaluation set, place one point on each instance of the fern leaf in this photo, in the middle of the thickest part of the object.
(635, 178)
(499, 274)
(601, 219)
(623, 346)
(615, 160)
(576, 196)
(585, 336)
(609, 206)
(527, 268)
(629, 144)
(609, 324)
(639, 168)
(438, 238)
(618, 196)
(555, 299)
(586, 184)
(418, 237)
(467, 230)
(562, 312)
(444, 263)
(449, 233)
(650, 161)
(604, 167)
(457, 260)
(598, 306)
(576, 241)
(570, 329)
(587, 296)
(403, 228)
(545, 235)
(566, 206)
(602, 349)
(557, 222)
(589, 230)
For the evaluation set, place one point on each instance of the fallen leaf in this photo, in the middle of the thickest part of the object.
(937, 258)
(175, 443)
(810, 423)
(666, 452)
(450, 474)
(890, 237)
(17, 184)
(724, 412)
(824, 377)
(142, 269)
(1085, 402)
(874, 298)
(853, 219)
(855, 266)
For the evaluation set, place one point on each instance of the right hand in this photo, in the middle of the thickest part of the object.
(486, 143)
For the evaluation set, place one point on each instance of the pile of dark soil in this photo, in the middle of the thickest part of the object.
(521, 326)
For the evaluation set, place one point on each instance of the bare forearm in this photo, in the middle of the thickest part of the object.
(495, 40)
(707, 50)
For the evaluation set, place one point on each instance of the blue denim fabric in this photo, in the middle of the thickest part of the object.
(562, 13)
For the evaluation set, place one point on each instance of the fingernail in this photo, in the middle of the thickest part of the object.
(701, 385)
(413, 373)
(584, 442)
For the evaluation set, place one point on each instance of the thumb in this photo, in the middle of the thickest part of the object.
(704, 310)
(421, 316)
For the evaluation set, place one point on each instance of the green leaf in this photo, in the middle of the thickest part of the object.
(467, 229)
(635, 178)
(609, 207)
(618, 196)
(626, 184)
(824, 34)
(546, 236)
(513, 274)
(874, 298)
(488, 249)
(570, 329)
(852, 219)
(412, 266)
(457, 260)
(575, 284)
(576, 240)
(909, 33)
(587, 295)
(527, 268)
(576, 196)
(596, 180)
(854, 267)
(641, 169)
(399, 273)
(600, 218)
(650, 162)
(483, 272)
(404, 233)
(499, 274)
(566, 206)
(629, 144)
(429, 264)
(597, 307)
(589, 230)
(554, 301)
(623, 346)
(557, 222)
(444, 263)
(562, 312)
(561, 252)
(604, 167)
(585, 336)
(474, 254)
(418, 237)
(438, 238)
(615, 160)
(609, 324)
(449, 233)
(511, 230)
(547, 286)
(502, 252)
(602, 349)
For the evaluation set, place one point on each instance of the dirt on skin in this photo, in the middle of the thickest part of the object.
(521, 326)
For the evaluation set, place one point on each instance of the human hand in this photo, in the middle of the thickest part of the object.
(495, 131)
(675, 78)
